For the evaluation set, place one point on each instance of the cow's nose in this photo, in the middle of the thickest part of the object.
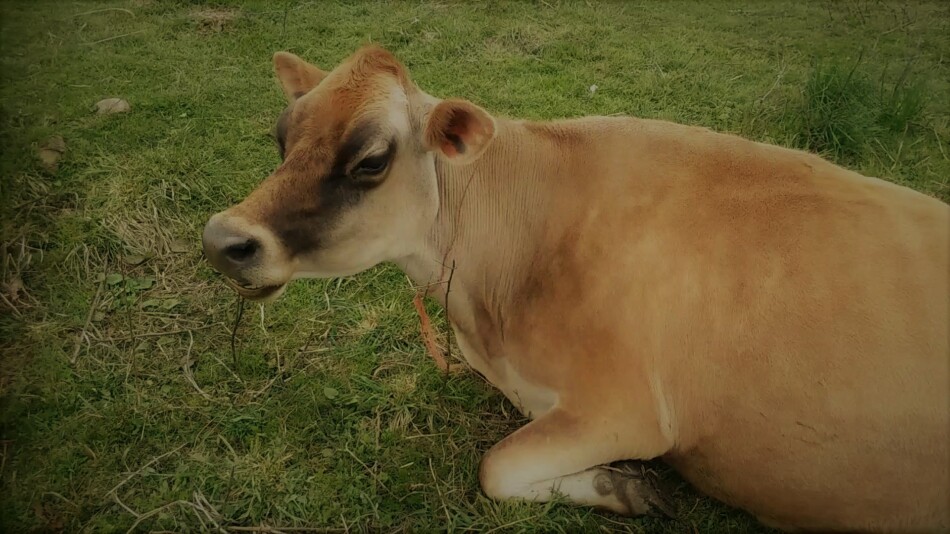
(228, 248)
(240, 252)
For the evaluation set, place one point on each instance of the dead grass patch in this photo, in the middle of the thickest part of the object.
(212, 21)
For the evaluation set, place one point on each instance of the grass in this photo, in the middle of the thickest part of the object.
(840, 114)
(123, 406)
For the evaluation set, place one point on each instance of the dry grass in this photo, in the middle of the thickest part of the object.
(211, 21)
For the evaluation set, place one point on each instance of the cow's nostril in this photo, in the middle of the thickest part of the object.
(241, 252)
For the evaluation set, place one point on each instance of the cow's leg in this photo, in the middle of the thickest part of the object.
(563, 454)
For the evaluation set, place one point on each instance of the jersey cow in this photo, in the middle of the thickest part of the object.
(772, 325)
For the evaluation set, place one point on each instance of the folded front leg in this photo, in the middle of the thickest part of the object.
(563, 453)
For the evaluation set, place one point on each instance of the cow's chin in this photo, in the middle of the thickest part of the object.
(262, 294)
(269, 293)
(335, 270)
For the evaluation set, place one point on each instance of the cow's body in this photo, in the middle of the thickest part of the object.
(778, 323)
(772, 325)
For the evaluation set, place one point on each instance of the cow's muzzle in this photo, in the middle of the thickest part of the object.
(241, 255)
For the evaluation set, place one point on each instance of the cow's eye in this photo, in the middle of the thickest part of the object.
(372, 165)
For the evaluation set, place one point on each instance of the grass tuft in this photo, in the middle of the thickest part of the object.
(836, 112)
(840, 112)
(903, 102)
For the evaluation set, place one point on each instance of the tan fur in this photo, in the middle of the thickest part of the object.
(771, 324)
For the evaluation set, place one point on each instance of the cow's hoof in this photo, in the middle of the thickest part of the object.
(637, 487)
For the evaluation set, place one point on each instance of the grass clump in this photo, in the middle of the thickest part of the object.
(902, 103)
(841, 113)
(836, 115)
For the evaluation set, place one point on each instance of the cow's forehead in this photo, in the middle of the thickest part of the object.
(365, 82)
(349, 94)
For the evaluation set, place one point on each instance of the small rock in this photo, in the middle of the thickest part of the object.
(52, 151)
(179, 246)
(133, 259)
(13, 288)
(49, 158)
(112, 105)
(592, 89)
(56, 143)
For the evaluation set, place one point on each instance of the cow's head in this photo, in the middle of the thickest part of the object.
(357, 185)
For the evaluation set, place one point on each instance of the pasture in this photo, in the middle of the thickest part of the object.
(138, 394)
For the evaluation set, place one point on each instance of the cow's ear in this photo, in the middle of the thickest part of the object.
(297, 77)
(459, 130)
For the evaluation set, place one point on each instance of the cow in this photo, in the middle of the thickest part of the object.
(770, 324)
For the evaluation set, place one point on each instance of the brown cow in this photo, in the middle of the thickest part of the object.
(772, 325)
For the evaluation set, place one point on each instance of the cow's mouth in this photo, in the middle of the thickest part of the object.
(252, 292)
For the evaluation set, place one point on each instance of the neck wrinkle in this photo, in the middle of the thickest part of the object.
(490, 214)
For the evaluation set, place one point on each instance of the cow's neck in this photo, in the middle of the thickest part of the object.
(490, 217)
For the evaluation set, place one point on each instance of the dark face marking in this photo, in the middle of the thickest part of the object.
(354, 144)
(311, 214)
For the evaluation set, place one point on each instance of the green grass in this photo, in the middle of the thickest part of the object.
(840, 114)
(122, 406)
